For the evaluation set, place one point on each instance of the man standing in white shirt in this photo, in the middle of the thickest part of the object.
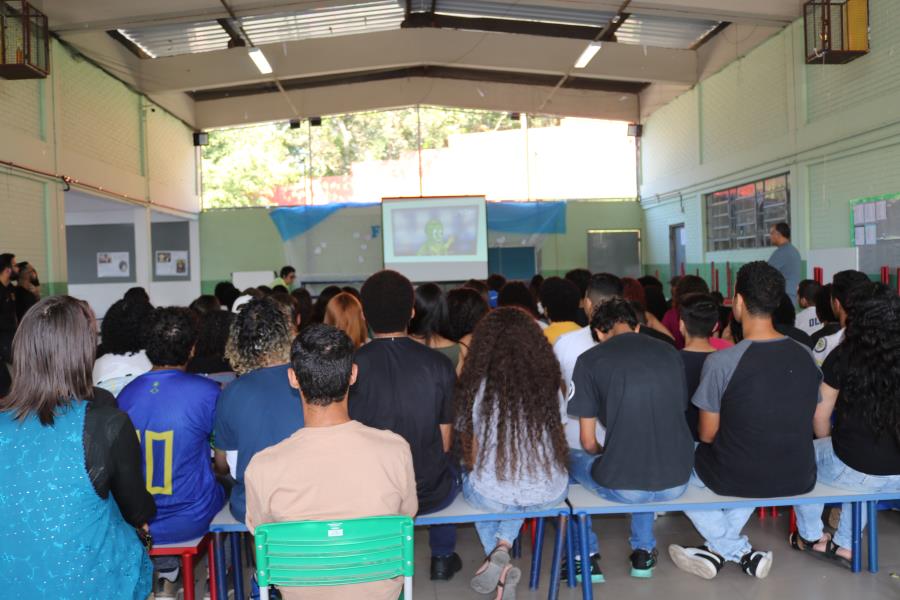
(807, 321)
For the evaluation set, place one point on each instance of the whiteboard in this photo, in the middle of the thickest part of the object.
(248, 279)
(832, 260)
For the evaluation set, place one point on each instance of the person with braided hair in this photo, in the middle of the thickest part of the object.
(861, 391)
(511, 435)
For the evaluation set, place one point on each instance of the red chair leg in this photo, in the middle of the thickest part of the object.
(762, 512)
(774, 511)
(187, 576)
(793, 521)
(211, 562)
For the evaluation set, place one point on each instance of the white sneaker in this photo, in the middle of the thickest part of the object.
(700, 561)
(757, 563)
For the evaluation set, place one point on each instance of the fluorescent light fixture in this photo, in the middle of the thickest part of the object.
(592, 49)
(259, 59)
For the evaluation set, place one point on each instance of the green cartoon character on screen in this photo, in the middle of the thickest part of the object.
(435, 244)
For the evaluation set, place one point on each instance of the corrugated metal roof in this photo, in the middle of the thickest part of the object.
(662, 32)
(207, 36)
(181, 38)
(523, 12)
(364, 17)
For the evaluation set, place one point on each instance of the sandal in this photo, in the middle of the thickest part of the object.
(486, 581)
(506, 586)
(801, 544)
(830, 554)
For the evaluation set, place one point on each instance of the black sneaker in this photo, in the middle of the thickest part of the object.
(757, 563)
(444, 567)
(700, 561)
(596, 573)
(643, 563)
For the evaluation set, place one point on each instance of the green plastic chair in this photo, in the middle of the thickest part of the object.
(339, 552)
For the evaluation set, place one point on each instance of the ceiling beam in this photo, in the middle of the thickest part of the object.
(387, 94)
(234, 32)
(425, 71)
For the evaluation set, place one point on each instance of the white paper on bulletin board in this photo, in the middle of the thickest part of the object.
(171, 263)
(113, 264)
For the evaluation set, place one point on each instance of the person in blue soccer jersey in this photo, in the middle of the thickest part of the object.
(173, 413)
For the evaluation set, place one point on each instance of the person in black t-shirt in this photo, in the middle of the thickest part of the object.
(784, 320)
(699, 316)
(406, 387)
(635, 386)
(862, 391)
(28, 292)
(756, 401)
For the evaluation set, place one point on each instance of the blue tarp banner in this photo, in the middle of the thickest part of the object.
(527, 217)
(507, 217)
(292, 221)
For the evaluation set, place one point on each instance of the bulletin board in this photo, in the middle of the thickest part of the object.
(171, 248)
(86, 244)
(875, 231)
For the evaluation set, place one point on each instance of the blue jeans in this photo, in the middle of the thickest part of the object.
(721, 528)
(642, 538)
(492, 532)
(832, 471)
(442, 538)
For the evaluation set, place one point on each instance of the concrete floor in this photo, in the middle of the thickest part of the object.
(793, 575)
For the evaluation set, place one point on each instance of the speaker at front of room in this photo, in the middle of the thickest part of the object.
(201, 138)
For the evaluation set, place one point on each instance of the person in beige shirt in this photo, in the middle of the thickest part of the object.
(332, 468)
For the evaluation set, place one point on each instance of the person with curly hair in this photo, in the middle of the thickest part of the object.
(511, 433)
(259, 408)
(122, 350)
(345, 312)
(756, 402)
(405, 387)
(861, 394)
(173, 413)
(634, 386)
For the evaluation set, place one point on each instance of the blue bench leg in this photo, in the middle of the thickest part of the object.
(553, 592)
(536, 552)
(238, 566)
(873, 537)
(570, 554)
(856, 543)
(587, 589)
(219, 557)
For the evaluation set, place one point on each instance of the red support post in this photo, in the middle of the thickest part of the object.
(818, 275)
(886, 275)
(728, 277)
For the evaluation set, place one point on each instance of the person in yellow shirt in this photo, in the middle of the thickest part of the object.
(560, 298)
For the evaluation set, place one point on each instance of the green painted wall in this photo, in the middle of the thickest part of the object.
(247, 240)
(242, 239)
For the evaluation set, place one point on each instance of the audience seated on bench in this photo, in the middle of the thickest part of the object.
(313, 419)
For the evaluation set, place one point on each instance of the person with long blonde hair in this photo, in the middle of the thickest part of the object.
(345, 312)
